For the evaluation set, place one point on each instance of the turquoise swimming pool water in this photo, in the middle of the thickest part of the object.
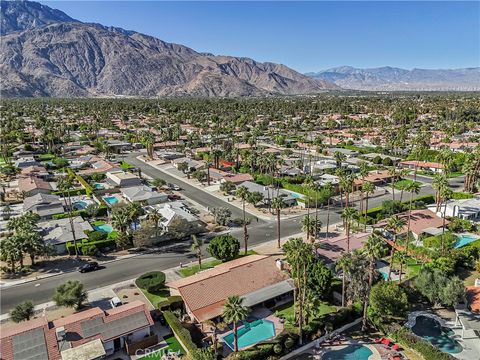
(104, 227)
(465, 239)
(110, 200)
(351, 352)
(251, 333)
(79, 205)
(440, 337)
(98, 186)
(384, 274)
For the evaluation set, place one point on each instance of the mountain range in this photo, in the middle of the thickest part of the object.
(46, 53)
(396, 79)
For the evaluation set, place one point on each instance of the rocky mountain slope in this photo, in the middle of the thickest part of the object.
(61, 57)
(396, 79)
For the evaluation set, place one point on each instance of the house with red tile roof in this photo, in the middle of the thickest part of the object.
(473, 298)
(422, 165)
(116, 329)
(258, 279)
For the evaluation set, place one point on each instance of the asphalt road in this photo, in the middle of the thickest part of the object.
(259, 231)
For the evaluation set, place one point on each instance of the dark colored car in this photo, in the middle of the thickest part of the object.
(174, 197)
(90, 266)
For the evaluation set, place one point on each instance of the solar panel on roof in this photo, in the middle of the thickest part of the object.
(30, 345)
(125, 325)
(92, 327)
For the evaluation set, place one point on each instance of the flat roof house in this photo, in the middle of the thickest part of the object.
(144, 194)
(467, 209)
(178, 219)
(255, 278)
(269, 193)
(26, 161)
(44, 205)
(123, 178)
(79, 334)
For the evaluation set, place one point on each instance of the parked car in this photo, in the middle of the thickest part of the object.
(90, 266)
(115, 302)
(173, 197)
(174, 187)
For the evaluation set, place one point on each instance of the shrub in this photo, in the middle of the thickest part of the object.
(151, 281)
(101, 244)
(85, 184)
(179, 331)
(97, 235)
(427, 350)
(22, 312)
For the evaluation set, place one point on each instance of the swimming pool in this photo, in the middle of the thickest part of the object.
(104, 227)
(384, 275)
(98, 186)
(251, 333)
(465, 239)
(440, 337)
(79, 205)
(351, 352)
(110, 200)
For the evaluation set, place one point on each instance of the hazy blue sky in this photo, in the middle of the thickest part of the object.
(307, 36)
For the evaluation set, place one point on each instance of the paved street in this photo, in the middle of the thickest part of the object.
(261, 231)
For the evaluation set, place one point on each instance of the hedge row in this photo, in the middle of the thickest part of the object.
(427, 199)
(86, 185)
(73, 192)
(427, 350)
(101, 211)
(87, 244)
(180, 332)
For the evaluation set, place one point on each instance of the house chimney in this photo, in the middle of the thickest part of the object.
(60, 333)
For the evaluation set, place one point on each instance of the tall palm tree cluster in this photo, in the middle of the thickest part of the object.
(24, 239)
(124, 217)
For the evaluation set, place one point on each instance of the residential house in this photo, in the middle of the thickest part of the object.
(44, 205)
(192, 165)
(371, 156)
(467, 209)
(33, 185)
(122, 179)
(73, 336)
(220, 176)
(269, 193)
(143, 194)
(348, 153)
(58, 232)
(422, 222)
(331, 249)
(35, 170)
(95, 165)
(423, 165)
(26, 161)
(178, 219)
(376, 177)
(258, 279)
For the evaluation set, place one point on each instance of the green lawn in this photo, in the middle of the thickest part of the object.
(192, 270)
(459, 195)
(413, 267)
(172, 345)
(46, 157)
(455, 174)
(98, 222)
(189, 271)
(286, 311)
(156, 297)
(402, 184)
(125, 166)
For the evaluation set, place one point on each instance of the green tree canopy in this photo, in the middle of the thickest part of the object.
(22, 312)
(70, 294)
(224, 247)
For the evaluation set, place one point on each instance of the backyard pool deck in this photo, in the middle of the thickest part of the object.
(378, 352)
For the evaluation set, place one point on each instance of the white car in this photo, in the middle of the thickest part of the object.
(115, 302)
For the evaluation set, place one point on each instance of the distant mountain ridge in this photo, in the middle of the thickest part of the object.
(396, 79)
(44, 52)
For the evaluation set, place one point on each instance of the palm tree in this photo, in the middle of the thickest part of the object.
(330, 191)
(243, 193)
(393, 173)
(343, 263)
(412, 188)
(373, 250)
(155, 217)
(368, 189)
(446, 158)
(307, 226)
(348, 215)
(233, 312)
(362, 173)
(10, 252)
(394, 224)
(277, 204)
(64, 185)
(197, 249)
(339, 158)
(439, 183)
(402, 174)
